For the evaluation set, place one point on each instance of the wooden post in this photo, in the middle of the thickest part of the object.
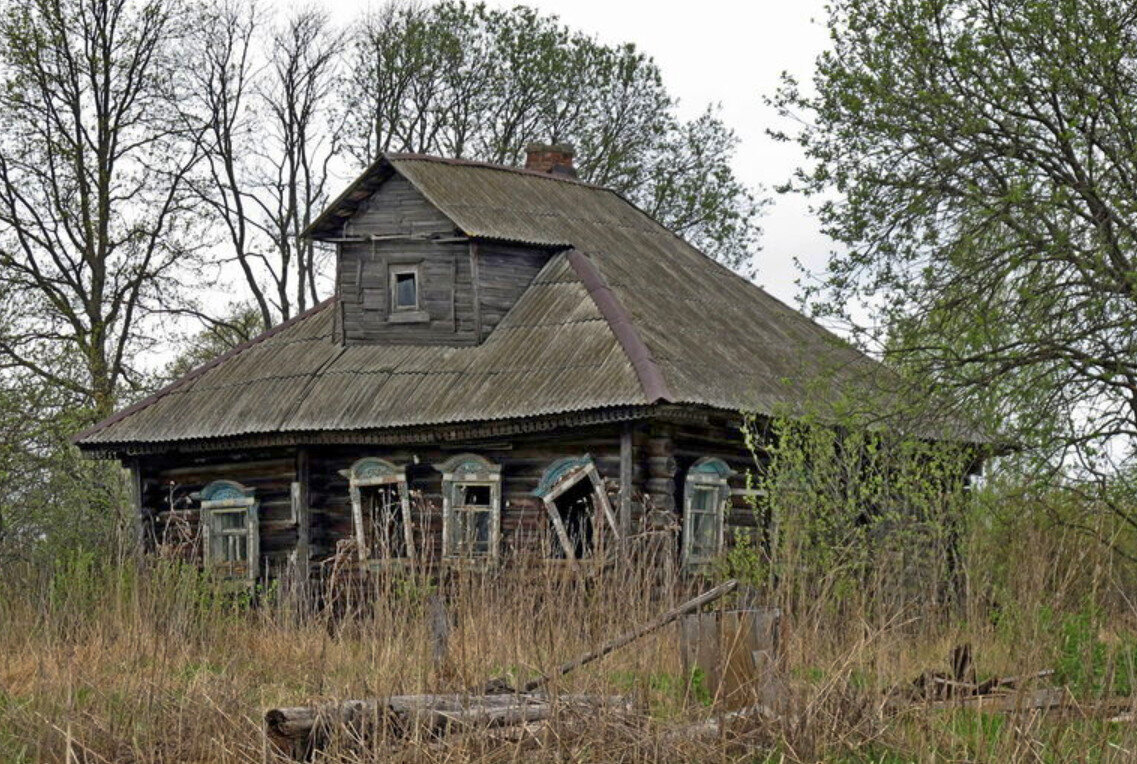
(626, 473)
(136, 508)
(300, 513)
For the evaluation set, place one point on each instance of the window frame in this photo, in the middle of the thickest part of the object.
(394, 270)
(458, 472)
(371, 471)
(229, 497)
(708, 474)
(559, 477)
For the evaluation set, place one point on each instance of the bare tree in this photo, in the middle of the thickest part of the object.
(265, 92)
(94, 159)
(303, 139)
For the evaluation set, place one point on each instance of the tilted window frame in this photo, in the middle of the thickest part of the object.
(558, 478)
(709, 473)
(469, 470)
(373, 471)
(226, 497)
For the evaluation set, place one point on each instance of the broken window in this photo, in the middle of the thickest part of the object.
(578, 507)
(384, 530)
(380, 504)
(575, 510)
(230, 529)
(471, 490)
(404, 288)
(706, 498)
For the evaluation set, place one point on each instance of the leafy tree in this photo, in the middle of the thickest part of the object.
(470, 81)
(976, 160)
(218, 336)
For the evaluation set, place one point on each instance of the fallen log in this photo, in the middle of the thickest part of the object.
(297, 731)
(653, 625)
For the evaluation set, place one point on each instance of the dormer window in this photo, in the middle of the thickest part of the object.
(404, 288)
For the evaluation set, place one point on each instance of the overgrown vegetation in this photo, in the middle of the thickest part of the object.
(877, 580)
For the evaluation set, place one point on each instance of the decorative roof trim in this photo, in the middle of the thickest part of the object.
(398, 435)
(195, 373)
(647, 370)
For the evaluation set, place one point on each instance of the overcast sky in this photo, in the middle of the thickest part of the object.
(729, 52)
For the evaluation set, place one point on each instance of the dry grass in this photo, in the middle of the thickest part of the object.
(105, 662)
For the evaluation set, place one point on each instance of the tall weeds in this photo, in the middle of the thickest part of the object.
(105, 658)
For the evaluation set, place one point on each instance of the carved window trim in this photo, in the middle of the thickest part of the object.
(458, 472)
(707, 475)
(372, 471)
(225, 497)
(559, 477)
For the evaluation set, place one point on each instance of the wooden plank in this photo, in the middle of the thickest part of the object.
(134, 476)
(602, 499)
(475, 280)
(562, 535)
(300, 513)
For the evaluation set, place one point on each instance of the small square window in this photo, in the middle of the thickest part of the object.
(404, 290)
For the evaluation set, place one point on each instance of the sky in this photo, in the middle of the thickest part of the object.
(728, 52)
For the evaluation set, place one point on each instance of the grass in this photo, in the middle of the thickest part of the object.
(110, 661)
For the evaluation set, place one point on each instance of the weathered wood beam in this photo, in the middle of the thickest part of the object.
(626, 473)
(300, 512)
(654, 624)
(297, 730)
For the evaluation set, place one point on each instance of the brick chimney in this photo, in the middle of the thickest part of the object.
(551, 158)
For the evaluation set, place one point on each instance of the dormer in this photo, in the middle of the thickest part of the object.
(406, 274)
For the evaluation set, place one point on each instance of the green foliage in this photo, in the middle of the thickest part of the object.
(1086, 662)
(52, 499)
(222, 334)
(843, 507)
(975, 159)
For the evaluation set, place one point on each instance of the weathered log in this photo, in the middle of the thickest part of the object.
(653, 625)
(297, 730)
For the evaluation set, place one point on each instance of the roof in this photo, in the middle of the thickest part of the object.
(628, 314)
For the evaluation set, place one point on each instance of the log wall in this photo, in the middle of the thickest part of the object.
(305, 501)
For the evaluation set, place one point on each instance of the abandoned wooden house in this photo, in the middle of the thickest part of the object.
(515, 364)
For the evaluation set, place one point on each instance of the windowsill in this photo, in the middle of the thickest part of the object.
(408, 317)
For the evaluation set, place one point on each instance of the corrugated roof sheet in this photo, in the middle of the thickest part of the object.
(553, 353)
(715, 338)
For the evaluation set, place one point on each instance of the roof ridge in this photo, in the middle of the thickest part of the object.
(620, 322)
(193, 374)
(458, 162)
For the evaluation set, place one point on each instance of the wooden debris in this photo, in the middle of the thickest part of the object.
(300, 730)
(729, 722)
(653, 625)
(934, 689)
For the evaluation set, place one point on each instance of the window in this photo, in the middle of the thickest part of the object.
(706, 497)
(380, 510)
(473, 519)
(230, 529)
(384, 531)
(471, 506)
(575, 498)
(404, 288)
